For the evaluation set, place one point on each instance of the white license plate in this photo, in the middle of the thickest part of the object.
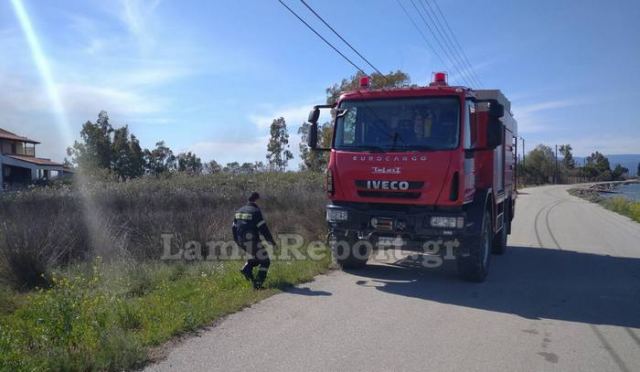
(390, 241)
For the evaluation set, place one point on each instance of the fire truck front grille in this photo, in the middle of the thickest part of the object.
(388, 194)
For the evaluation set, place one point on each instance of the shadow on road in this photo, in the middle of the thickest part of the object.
(529, 282)
(303, 291)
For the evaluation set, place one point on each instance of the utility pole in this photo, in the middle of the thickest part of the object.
(555, 176)
(523, 152)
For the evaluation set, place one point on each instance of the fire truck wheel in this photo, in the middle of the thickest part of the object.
(351, 253)
(475, 266)
(500, 239)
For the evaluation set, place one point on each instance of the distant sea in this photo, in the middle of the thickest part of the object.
(629, 191)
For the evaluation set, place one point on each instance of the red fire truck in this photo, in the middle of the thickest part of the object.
(419, 164)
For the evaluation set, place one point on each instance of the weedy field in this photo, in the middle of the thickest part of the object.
(82, 286)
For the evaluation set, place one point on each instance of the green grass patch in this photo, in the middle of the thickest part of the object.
(7, 300)
(623, 206)
(108, 316)
(616, 204)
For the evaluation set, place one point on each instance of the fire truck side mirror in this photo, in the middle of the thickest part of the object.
(314, 115)
(312, 136)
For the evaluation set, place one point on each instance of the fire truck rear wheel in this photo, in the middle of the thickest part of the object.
(351, 253)
(475, 266)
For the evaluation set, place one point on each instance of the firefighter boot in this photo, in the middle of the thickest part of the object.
(247, 272)
(260, 278)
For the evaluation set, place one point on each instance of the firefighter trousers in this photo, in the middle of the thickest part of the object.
(259, 257)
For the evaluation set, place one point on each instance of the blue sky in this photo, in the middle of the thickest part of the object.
(209, 76)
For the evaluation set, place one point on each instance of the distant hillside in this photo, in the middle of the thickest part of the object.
(629, 161)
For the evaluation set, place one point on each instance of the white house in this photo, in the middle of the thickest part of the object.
(19, 165)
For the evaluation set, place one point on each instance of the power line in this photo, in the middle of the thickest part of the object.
(455, 39)
(442, 44)
(428, 26)
(456, 42)
(321, 37)
(426, 40)
(447, 40)
(340, 36)
(457, 49)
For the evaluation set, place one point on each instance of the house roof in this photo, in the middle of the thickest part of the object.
(5, 134)
(33, 160)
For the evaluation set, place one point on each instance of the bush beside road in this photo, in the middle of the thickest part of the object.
(618, 204)
(68, 302)
(109, 316)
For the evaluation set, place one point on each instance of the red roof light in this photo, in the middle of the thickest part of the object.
(439, 79)
(364, 82)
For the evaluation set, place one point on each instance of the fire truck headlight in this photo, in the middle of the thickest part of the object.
(334, 215)
(447, 222)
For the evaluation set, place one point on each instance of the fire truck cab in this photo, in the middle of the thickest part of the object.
(420, 164)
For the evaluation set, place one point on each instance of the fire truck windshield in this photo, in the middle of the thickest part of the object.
(398, 124)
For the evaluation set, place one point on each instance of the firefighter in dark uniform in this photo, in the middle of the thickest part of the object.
(248, 225)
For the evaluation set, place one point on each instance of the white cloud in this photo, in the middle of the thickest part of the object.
(605, 143)
(27, 96)
(88, 98)
(294, 115)
(137, 16)
(546, 105)
(226, 151)
(150, 75)
(531, 117)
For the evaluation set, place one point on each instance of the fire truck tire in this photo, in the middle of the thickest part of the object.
(351, 253)
(500, 239)
(474, 266)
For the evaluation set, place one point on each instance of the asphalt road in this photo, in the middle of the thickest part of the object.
(565, 297)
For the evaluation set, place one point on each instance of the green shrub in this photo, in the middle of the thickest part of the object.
(623, 206)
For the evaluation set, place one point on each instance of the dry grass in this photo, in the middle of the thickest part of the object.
(46, 228)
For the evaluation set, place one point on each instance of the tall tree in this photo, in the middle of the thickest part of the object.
(259, 166)
(567, 156)
(278, 154)
(247, 168)
(160, 160)
(136, 154)
(233, 167)
(619, 172)
(94, 151)
(189, 163)
(540, 165)
(103, 147)
(127, 158)
(597, 167)
(212, 167)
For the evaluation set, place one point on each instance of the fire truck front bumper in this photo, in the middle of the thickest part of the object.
(411, 223)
